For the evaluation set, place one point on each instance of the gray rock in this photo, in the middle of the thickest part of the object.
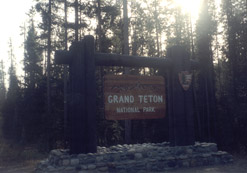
(65, 162)
(84, 167)
(70, 168)
(149, 157)
(74, 162)
(91, 166)
(189, 151)
(103, 169)
(138, 156)
(56, 152)
(99, 158)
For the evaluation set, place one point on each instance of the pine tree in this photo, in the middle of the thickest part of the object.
(206, 81)
(76, 6)
(33, 97)
(13, 81)
(11, 117)
(33, 59)
(2, 84)
(232, 99)
(49, 51)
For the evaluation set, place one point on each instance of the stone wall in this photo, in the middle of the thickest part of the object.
(136, 158)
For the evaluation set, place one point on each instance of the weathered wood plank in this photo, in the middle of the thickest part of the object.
(90, 94)
(103, 59)
(83, 98)
(77, 100)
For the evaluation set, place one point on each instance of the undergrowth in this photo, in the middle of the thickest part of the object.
(12, 153)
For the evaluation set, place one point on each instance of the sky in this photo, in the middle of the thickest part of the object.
(12, 16)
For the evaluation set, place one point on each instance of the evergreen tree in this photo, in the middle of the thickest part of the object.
(178, 31)
(2, 84)
(49, 51)
(33, 97)
(11, 117)
(206, 82)
(232, 99)
(33, 59)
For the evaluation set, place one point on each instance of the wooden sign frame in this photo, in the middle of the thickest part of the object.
(82, 60)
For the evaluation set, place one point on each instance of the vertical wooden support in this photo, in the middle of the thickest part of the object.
(180, 101)
(83, 97)
(90, 94)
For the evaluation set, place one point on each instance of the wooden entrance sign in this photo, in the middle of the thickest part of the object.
(134, 97)
(148, 100)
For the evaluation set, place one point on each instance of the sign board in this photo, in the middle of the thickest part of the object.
(134, 97)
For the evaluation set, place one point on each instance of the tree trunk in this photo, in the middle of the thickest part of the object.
(126, 70)
(65, 72)
(156, 29)
(99, 26)
(76, 20)
(49, 61)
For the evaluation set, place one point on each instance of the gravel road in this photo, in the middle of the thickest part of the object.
(238, 166)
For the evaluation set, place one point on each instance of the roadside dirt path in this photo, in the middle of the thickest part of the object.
(17, 169)
(27, 167)
(238, 166)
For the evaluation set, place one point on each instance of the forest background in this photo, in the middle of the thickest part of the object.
(32, 111)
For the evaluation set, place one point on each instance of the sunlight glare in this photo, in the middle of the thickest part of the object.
(12, 16)
(189, 6)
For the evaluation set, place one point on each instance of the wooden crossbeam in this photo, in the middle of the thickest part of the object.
(107, 59)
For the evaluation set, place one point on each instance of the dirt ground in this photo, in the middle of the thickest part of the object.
(239, 165)
(18, 168)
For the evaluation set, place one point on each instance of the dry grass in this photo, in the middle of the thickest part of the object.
(12, 154)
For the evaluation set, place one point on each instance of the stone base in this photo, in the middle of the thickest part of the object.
(135, 158)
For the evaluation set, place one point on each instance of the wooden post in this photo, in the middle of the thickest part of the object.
(90, 94)
(180, 99)
(83, 98)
